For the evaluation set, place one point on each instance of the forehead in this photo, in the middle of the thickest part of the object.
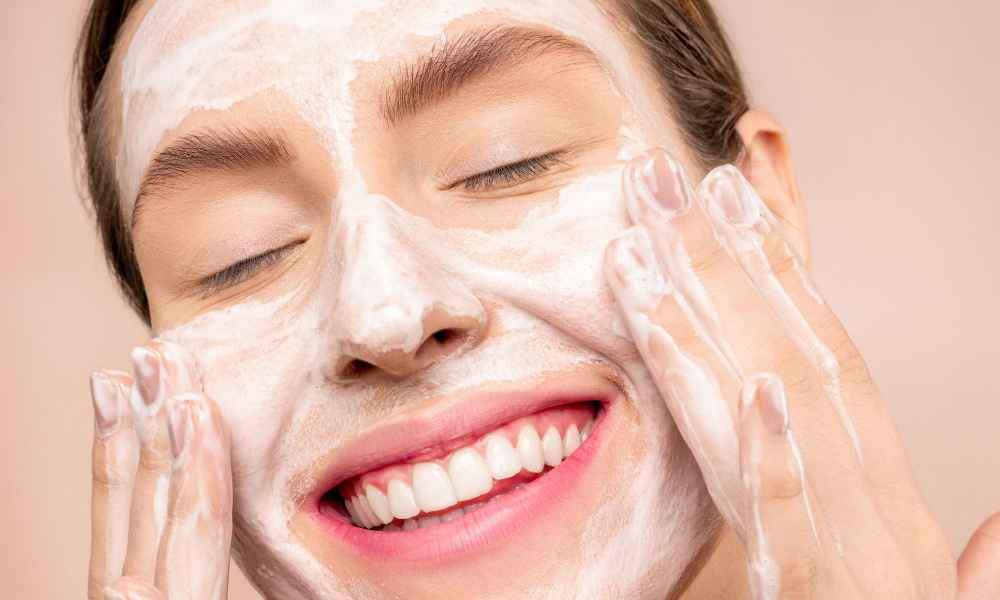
(187, 56)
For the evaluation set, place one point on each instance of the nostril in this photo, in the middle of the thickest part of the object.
(440, 343)
(398, 362)
(443, 336)
(356, 368)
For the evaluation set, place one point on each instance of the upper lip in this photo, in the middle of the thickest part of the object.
(456, 417)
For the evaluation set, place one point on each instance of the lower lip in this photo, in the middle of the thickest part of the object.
(491, 524)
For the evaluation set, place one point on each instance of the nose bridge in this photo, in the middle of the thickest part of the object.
(396, 310)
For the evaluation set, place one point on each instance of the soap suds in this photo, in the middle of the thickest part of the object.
(269, 363)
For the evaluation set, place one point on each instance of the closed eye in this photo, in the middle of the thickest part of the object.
(243, 270)
(510, 175)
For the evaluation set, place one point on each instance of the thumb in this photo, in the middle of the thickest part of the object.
(979, 565)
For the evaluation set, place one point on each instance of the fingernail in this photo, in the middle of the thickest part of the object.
(636, 278)
(766, 393)
(664, 180)
(731, 198)
(179, 368)
(774, 405)
(181, 424)
(107, 404)
(149, 379)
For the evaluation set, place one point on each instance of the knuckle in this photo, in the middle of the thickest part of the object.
(131, 588)
(111, 476)
(798, 381)
(783, 481)
(709, 258)
(155, 461)
(782, 261)
(799, 576)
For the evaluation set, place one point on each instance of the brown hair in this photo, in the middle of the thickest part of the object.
(683, 41)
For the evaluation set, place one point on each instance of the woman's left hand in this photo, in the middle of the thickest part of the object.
(774, 400)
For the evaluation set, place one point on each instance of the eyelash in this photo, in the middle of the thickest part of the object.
(503, 176)
(512, 174)
(241, 271)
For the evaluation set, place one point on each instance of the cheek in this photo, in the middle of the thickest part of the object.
(251, 358)
(551, 265)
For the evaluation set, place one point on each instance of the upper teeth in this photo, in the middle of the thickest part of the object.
(464, 475)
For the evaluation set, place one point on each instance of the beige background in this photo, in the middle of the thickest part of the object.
(891, 111)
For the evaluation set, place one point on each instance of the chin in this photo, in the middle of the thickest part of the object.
(566, 488)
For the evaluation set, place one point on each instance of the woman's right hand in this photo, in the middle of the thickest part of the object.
(724, 316)
(161, 507)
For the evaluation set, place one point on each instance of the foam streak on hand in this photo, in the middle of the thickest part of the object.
(162, 487)
(773, 398)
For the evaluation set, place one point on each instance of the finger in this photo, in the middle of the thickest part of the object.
(979, 565)
(193, 561)
(131, 588)
(114, 458)
(783, 541)
(727, 290)
(839, 409)
(687, 384)
(762, 344)
(659, 198)
(743, 223)
(162, 370)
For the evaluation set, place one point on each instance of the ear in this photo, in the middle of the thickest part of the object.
(767, 164)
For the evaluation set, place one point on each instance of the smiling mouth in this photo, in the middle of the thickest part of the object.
(447, 483)
(477, 471)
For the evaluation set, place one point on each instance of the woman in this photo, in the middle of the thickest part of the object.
(436, 316)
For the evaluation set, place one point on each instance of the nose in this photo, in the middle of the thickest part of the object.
(397, 311)
(441, 333)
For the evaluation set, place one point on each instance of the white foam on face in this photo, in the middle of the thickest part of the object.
(546, 323)
(296, 48)
(271, 365)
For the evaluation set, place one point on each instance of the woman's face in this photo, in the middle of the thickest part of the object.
(379, 227)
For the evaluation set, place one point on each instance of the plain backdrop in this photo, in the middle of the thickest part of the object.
(890, 107)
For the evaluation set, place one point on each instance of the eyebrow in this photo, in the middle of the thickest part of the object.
(231, 149)
(430, 79)
(472, 55)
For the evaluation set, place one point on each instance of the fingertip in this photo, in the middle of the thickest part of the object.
(979, 564)
(629, 253)
(108, 396)
(730, 199)
(665, 179)
(147, 364)
(613, 253)
(180, 420)
(985, 541)
(190, 415)
(764, 394)
(181, 364)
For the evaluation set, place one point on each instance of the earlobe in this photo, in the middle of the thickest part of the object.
(767, 163)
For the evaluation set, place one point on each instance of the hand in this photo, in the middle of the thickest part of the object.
(774, 400)
(161, 508)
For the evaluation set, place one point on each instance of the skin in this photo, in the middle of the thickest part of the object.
(225, 486)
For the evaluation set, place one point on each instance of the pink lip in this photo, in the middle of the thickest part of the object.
(471, 416)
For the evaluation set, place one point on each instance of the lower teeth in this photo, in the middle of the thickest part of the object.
(430, 521)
